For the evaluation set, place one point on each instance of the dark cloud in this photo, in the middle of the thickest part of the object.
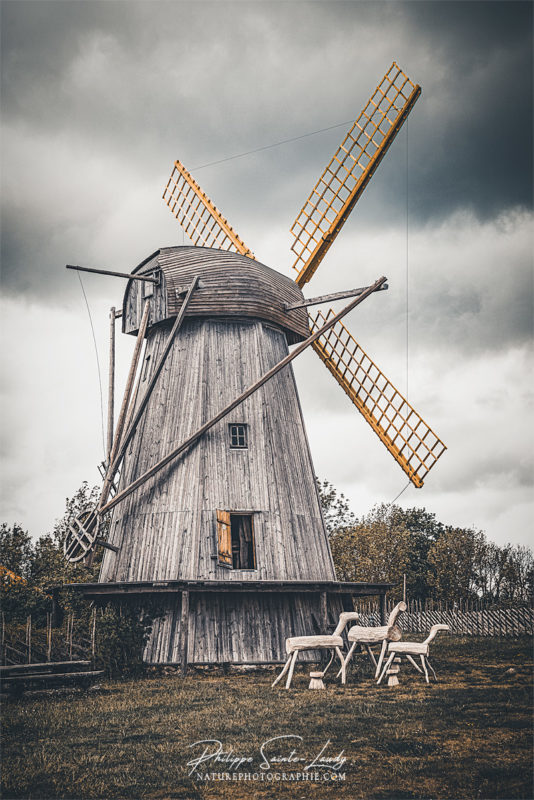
(99, 98)
(148, 81)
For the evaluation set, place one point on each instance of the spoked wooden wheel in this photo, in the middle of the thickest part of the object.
(81, 536)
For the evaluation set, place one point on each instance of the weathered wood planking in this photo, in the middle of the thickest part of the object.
(235, 329)
(232, 286)
(166, 530)
(236, 627)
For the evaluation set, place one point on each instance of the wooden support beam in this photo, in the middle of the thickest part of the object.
(383, 614)
(357, 589)
(129, 275)
(329, 298)
(133, 401)
(230, 407)
(125, 402)
(106, 545)
(111, 382)
(184, 632)
(130, 428)
(178, 290)
(324, 612)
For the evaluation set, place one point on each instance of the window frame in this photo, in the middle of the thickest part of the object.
(225, 542)
(231, 435)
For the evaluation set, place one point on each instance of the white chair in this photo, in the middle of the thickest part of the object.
(366, 637)
(333, 642)
(410, 649)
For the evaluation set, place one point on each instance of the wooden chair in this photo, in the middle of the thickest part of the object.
(333, 642)
(366, 637)
(410, 649)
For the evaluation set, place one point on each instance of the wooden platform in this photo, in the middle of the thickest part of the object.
(237, 622)
(94, 591)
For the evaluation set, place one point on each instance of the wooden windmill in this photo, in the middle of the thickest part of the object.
(217, 508)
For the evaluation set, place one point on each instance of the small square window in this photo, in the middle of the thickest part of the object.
(238, 436)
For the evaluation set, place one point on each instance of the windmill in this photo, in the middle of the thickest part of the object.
(216, 509)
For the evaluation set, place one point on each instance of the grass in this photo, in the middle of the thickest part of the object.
(468, 736)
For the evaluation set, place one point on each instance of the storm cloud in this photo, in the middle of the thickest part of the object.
(99, 99)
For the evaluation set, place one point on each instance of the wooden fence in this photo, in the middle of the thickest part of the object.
(22, 643)
(464, 619)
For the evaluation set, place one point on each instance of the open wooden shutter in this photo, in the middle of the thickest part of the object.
(224, 539)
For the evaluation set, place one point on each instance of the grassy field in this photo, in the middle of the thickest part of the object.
(468, 736)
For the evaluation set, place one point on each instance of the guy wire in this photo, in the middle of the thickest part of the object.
(97, 365)
(270, 146)
(399, 494)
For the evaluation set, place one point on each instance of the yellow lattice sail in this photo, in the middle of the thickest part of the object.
(198, 216)
(412, 443)
(348, 173)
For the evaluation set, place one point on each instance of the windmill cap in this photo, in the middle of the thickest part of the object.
(231, 286)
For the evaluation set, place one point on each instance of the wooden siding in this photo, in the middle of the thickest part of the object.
(233, 286)
(166, 530)
(237, 628)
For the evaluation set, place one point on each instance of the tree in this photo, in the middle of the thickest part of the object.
(375, 549)
(424, 531)
(518, 574)
(30, 569)
(49, 564)
(336, 510)
(453, 559)
(16, 550)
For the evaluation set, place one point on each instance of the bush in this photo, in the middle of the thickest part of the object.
(121, 635)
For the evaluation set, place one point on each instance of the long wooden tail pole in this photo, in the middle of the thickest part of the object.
(133, 424)
(130, 275)
(125, 402)
(255, 386)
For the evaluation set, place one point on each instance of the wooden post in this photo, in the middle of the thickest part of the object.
(3, 653)
(93, 634)
(130, 413)
(71, 617)
(125, 402)
(111, 386)
(29, 637)
(404, 587)
(49, 636)
(323, 612)
(383, 613)
(184, 631)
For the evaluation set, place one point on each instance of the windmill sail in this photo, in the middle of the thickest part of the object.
(200, 219)
(405, 434)
(348, 173)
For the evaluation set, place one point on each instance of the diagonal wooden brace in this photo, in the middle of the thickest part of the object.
(247, 393)
(137, 416)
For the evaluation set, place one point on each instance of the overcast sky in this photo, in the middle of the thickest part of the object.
(98, 100)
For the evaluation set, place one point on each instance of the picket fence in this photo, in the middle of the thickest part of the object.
(466, 621)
